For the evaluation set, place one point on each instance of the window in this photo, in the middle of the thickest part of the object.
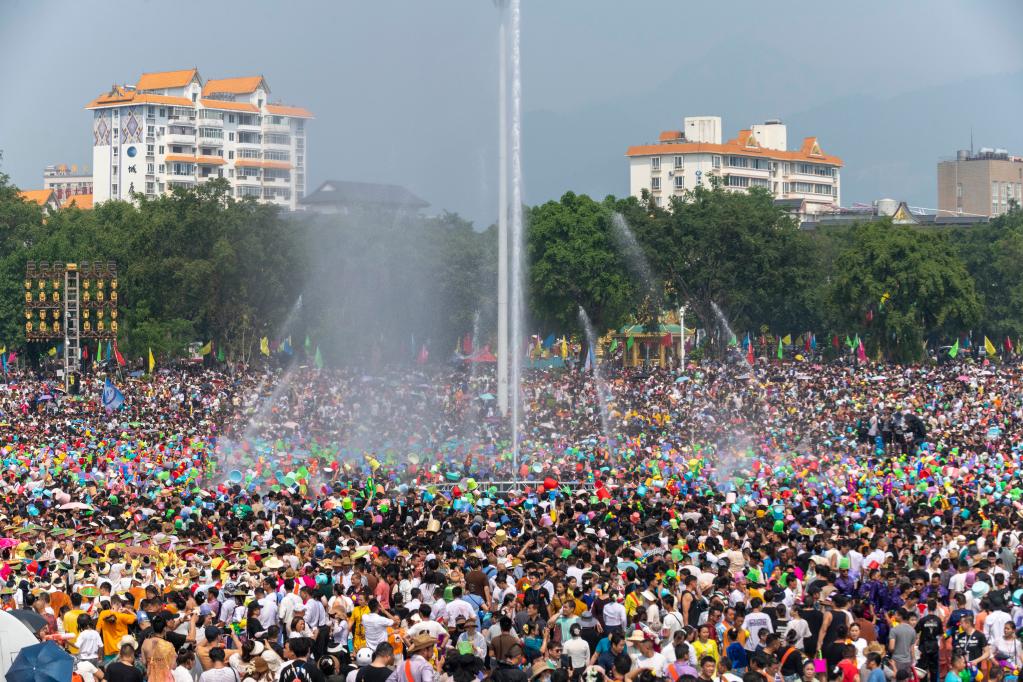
(716, 162)
(822, 189)
(230, 137)
(150, 131)
(760, 182)
(657, 201)
(802, 187)
(162, 170)
(272, 155)
(150, 110)
(679, 181)
(163, 111)
(113, 189)
(150, 186)
(114, 138)
(176, 149)
(736, 181)
(161, 149)
(759, 164)
(655, 184)
(655, 162)
(738, 162)
(230, 118)
(678, 162)
(213, 133)
(113, 169)
(150, 167)
(116, 150)
(277, 138)
(230, 155)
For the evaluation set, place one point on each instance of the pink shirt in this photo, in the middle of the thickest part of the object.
(383, 594)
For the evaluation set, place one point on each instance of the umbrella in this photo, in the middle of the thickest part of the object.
(44, 662)
(75, 505)
(32, 620)
(486, 396)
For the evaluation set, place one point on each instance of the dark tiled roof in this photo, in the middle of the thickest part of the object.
(345, 193)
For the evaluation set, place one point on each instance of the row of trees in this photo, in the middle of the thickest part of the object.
(897, 287)
(368, 287)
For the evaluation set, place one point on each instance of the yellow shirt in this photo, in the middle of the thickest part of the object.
(708, 648)
(113, 632)
(71, 628)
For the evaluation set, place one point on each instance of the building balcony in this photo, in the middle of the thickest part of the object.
(277, 145)
(179, 138)
(250, 127)
(181, 120)
(211, 122)
(211, 141)
(276, 128)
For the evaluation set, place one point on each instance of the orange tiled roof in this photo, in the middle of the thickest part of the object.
(287, 110)
(38, 196)
(180, 158)
(166, 79)
(235, 86)
(229, 106)
(120, 96)
(669, 135)
(82, 201)
(744, 144)
(211, 160)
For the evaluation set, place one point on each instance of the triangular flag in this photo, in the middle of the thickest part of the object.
(3, 349)
(152, 361)
(206, 349)
(849, 342)
(954, 350)
(750, 358)
(989, 347)
(120, 358)
(787, 339)
(884, 298)
(52, 352)
(564, 348)
(318, 359)
(220, 354)
(781, 350)
(861, 352)
(614, 345)
(548, 343)
(834, 341)
(264, 346)
(110, 351)
(628, 343)
(309, 344)
(1008, 344)
(85, 352)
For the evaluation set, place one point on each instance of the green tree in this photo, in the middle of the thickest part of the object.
(573, 262)
(735, 249)
(926, 291)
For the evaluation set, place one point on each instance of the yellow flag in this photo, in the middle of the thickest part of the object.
(207, 349)
(787, 339)
(564, 348)
(3, 349)
(52, 351)
(264, 346)
(989, 347)
(152, 361)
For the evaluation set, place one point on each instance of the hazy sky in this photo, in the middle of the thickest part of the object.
(405, 91)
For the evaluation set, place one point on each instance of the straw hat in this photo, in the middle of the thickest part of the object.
(420, 642)
(273, 563)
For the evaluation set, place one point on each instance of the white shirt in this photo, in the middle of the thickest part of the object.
(578, 650)
(614, 614)
(287, 607)
(87, 670)
(657, 663)
(755, 623)
(430, 627)
(376, 628)
(88, 643)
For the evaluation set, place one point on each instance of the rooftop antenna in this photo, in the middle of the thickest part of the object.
(971, 140)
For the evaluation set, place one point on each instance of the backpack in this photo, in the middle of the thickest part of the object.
(697, 607)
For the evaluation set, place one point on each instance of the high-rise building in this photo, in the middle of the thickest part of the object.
(757, 157)
(172, 129)
(985, 183)
(67, 181)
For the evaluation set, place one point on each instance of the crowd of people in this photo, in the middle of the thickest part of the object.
(718, 523)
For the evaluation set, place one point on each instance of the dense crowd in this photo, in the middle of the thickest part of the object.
(719, 523)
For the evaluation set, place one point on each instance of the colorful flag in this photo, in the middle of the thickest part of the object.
(152, 361)
(781, 350)
(318, 359)
(806, 343)
(112, 398)
(264, 346)
(749, 342)
(110, 351)
(628, 343)
(564, 348)
(732, 341)
(954, 350)
(989, 347)
(206, 349)
(467, 344)
(422, 358)
(834, 341)
(3, 359)
(666, 340)
(220, 354)
(1008, 344)
(861, 352)
(787, 339)
(614, 345)
(750, 358)
(85, 352)
(3, 349)
(309, 343)
(849, 342)
(966, 342)
(120, 358)
(548, 343)
(286, 346)
(52, 352)
(813, 341)
(884, 298)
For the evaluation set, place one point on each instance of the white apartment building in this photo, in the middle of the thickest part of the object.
(757, 157)
(172, 129)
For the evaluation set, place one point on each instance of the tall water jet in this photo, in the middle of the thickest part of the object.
(598, 380)
(727, 327)
(633, 253)
(502, 213)
(517, 266)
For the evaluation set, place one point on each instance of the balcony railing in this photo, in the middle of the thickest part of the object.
(276, 128)
(211, 122)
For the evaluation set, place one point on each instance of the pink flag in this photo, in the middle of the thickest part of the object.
(861, 352)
